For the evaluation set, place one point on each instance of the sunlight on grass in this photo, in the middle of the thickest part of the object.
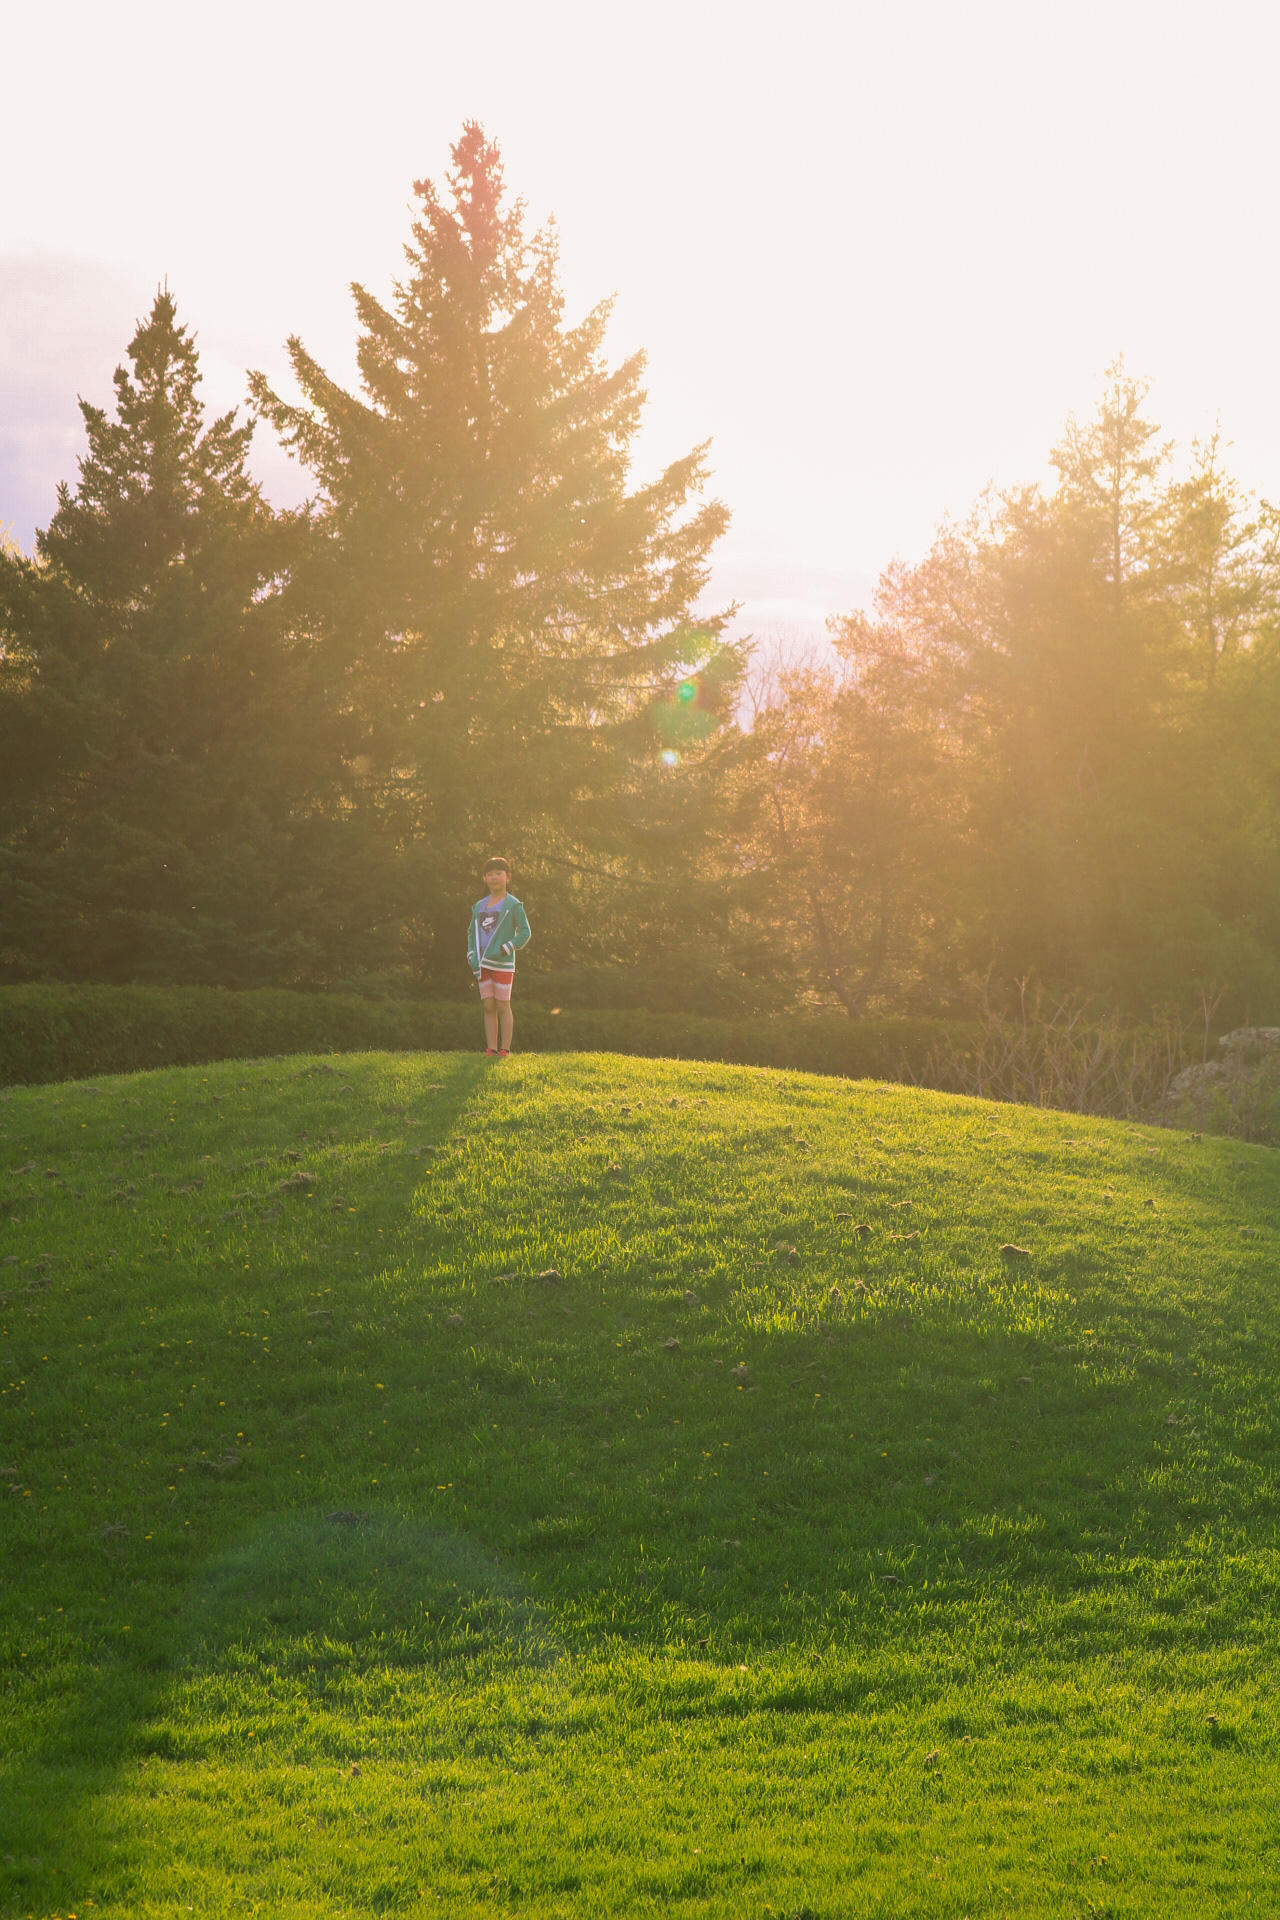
(596, 1486)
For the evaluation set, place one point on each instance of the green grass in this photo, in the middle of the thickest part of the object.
(924, 1612)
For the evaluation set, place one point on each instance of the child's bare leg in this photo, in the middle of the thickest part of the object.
(490, 1005)
(505, 1025)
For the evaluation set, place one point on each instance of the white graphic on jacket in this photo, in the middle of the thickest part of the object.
(487, 921)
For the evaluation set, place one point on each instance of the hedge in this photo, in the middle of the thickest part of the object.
(72, 1033)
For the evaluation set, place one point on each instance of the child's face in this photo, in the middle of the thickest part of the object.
(496, 881)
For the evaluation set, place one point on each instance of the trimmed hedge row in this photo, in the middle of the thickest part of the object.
(73, 1033)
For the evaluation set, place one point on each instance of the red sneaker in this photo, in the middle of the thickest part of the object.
(491, 1053)
(504, 1053)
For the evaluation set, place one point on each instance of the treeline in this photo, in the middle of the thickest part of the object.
(251, 748)
(1054, 750)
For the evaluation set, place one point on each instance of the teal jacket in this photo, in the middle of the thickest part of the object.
(510, 934)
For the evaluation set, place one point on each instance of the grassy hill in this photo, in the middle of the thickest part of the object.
(596, 1486)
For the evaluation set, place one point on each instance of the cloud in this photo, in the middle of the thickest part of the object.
(784, 599)
(65, 323)
(63, 327)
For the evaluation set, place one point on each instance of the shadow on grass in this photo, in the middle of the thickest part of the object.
(919, 1488)
(258, 1660)
(1045, 1519)
(313, 1592)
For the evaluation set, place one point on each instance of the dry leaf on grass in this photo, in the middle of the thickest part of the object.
(1009, 1251)
(671, 1345)
(227, 1464)
(453, 1320)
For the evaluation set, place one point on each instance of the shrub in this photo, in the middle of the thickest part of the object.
(70, 1032)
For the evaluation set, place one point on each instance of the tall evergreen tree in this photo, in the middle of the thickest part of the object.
(148, 779)
(504, 621)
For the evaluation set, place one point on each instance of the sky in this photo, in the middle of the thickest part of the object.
(875, 253)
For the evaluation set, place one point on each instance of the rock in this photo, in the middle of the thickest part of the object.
(1243, 1057)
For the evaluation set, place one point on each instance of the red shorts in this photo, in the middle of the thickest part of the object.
(496, 982)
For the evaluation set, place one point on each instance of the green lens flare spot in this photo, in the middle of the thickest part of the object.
(687, 692)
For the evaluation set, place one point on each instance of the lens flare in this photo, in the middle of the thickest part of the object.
(670, 758)
(688, 690)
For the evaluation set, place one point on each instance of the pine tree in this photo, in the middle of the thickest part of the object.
(505, 622)
(148, 782)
